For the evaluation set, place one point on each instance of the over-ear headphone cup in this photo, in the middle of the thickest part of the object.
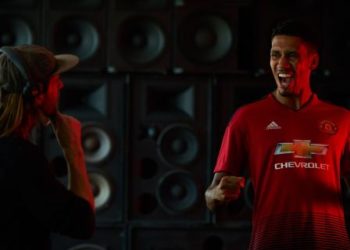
(27, 91)
(18, 61)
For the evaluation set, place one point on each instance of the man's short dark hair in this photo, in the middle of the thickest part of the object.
(294, 27)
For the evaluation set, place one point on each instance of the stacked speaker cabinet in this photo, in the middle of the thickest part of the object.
(20, 22)
(170, 149)
(78, 27)
(99, 103)
(206, 37)
(139, 36)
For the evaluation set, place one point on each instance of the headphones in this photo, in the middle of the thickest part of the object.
(18, 61)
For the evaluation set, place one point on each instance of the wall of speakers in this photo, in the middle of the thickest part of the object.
(170, 134)
(157, 83)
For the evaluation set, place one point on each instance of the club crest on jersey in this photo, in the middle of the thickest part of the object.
(328, 127)
(301, 148)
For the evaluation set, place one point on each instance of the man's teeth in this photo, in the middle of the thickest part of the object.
(284, 75)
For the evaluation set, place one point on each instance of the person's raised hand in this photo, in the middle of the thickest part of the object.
(229, 188)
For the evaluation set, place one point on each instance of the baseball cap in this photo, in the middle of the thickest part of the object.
(37, 63)
(40, 63)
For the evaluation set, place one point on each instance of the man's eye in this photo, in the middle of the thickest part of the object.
(293, 55)
(274, 55)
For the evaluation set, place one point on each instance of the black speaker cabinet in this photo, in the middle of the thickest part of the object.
(99, 103)
(104, 239)
(188, 238)
(20, 22)
(80, 28)
(170, 148)
(140, 36)
(206, 38)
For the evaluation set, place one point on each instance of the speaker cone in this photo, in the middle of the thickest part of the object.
(178, 145)
(102, 189)
(14, 31)
(97, 143)
(79, 37)
(205, 39)
(177, 192)
(140, 40)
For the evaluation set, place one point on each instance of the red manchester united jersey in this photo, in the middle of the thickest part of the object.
(295, 160)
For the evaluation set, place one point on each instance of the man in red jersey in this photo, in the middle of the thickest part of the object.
(296, 148)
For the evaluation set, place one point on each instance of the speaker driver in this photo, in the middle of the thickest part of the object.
(178, 145)
(177, 192)
(102, 189)
(97, 143)
(75, 36)
(87, 247)
(141, 40)
(14, 31)
(205, 39)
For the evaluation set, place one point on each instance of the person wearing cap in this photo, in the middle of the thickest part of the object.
(34, 202)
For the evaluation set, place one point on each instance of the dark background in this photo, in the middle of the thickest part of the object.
(157, 83)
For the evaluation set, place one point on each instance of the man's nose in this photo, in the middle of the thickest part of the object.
(283, 62)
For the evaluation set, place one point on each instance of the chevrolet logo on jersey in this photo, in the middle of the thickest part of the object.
(301, 148)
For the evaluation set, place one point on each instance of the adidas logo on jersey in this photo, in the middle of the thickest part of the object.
(273, 125)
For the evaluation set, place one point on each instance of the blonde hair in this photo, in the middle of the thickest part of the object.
(12, 107)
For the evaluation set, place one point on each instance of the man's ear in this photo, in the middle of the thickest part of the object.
(314, 60)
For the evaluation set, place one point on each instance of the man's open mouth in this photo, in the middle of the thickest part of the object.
(285, 78)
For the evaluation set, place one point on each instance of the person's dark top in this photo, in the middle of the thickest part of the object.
(34, 203)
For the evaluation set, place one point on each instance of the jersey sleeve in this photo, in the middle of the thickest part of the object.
(49, 201)
(346, 155)
(233, 153)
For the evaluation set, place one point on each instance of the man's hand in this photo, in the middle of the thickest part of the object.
(224, 189)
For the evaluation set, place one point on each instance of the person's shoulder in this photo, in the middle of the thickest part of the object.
(332, 107)
(255, 106)
(247, 111)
